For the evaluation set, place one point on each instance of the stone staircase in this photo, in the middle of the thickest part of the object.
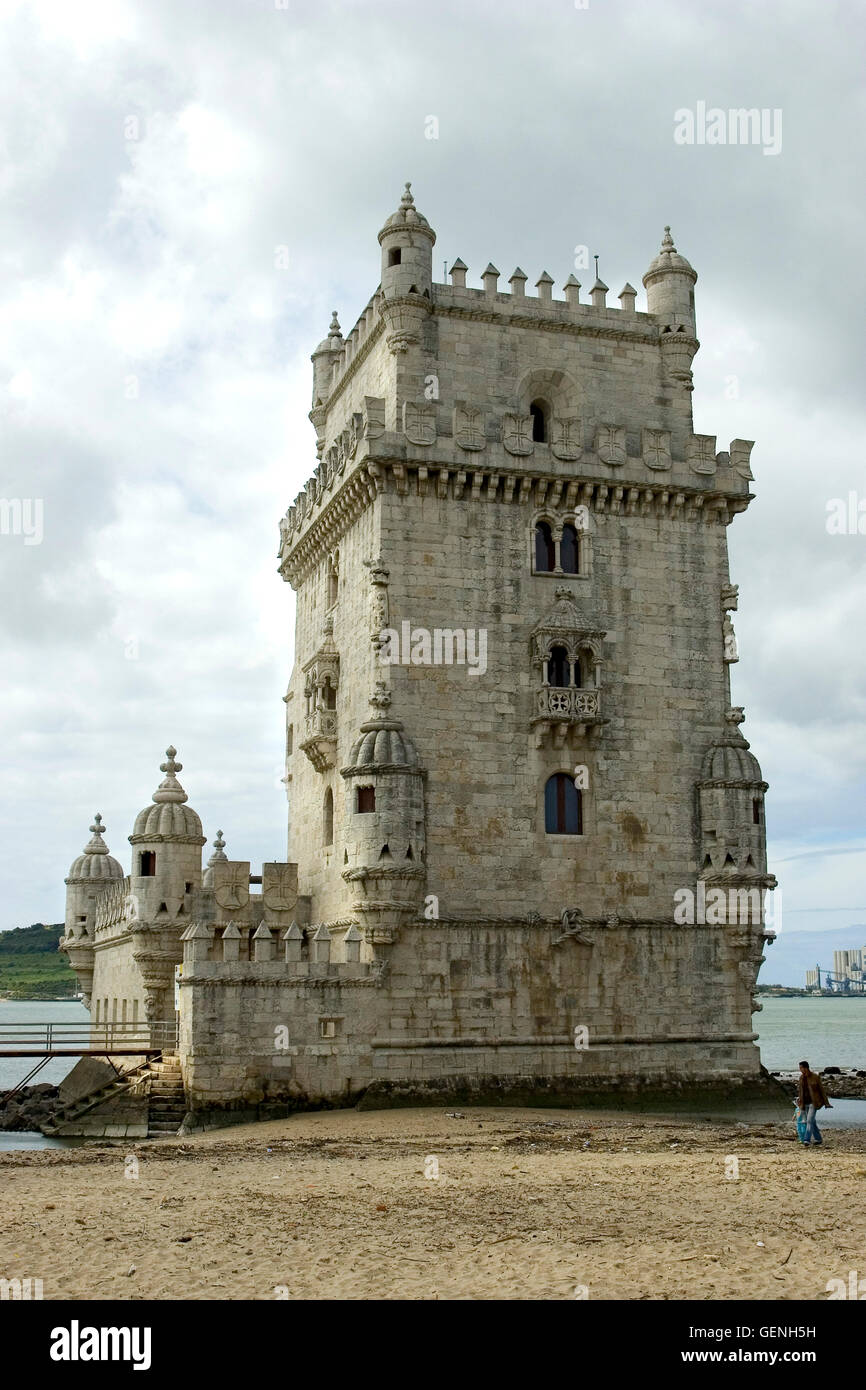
(167, 1101)
(159, 1086)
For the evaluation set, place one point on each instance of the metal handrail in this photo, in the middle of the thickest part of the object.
(44, 1037)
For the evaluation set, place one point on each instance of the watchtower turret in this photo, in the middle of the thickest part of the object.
(670, 293)
(92, 871)
(167, 842)
(384, 833)
(407, 242)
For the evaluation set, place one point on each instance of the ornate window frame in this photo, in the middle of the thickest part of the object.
(557, 520)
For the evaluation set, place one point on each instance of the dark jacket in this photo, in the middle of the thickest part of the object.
(810, 1091)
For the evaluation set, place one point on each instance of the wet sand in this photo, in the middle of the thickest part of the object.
(552, 1204)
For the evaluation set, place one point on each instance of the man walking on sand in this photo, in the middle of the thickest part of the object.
(811, 1097)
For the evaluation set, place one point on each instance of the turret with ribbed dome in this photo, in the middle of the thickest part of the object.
(167, 839)
(731, 805)
(407, 242)
(385, 846)
(89, 873)
(670, 287)
(94, 864)
(323, 359)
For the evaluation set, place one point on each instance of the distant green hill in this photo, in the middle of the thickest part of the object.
(31, 967)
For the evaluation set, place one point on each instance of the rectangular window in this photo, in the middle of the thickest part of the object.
(366, 799)
(147, 863)
(327, 1027)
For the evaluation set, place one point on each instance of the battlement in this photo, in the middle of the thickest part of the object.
(489, 302)
(227, 951)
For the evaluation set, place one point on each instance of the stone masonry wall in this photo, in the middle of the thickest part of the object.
(472, 1001)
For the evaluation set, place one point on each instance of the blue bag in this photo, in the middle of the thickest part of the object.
(800, 1122)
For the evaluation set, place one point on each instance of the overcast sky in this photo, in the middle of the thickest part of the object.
(156, 158)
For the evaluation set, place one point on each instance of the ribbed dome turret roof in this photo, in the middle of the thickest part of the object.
(407, 216)
(731, 762)
(95, 863)
(669, 258)
(382, 743)
(168, 818)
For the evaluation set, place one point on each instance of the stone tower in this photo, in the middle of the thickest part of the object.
(514, 544)
(89, 874)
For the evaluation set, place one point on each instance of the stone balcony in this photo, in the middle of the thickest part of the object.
(320, 743)
(561, 710)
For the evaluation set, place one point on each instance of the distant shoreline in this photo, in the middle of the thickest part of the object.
(792, 992)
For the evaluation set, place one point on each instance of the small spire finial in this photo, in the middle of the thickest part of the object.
(407, 201)
(335, 331)
(219, 855)
(171, 766)
(169, 788)
(668, 241)
(96, 844)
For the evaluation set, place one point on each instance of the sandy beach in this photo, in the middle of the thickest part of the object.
(527, 1204)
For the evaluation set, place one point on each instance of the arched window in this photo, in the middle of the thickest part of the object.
(329, 696)
(538, 411)
(328, 818)
(545, 549)
(569, 552)
(558, 673)
(563, 808)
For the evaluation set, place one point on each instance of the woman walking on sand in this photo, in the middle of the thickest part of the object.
(811, 1097)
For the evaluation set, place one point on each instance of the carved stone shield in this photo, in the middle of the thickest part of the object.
(567, 441)
(517, 433)
(468, 427)
(374, 416)
(701, 453)
(656, 448)
(280, 887)
(419, 423)
(231, 885)
(610, 444)
(741, 450)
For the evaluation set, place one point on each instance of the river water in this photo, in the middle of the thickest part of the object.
(826, 1032)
